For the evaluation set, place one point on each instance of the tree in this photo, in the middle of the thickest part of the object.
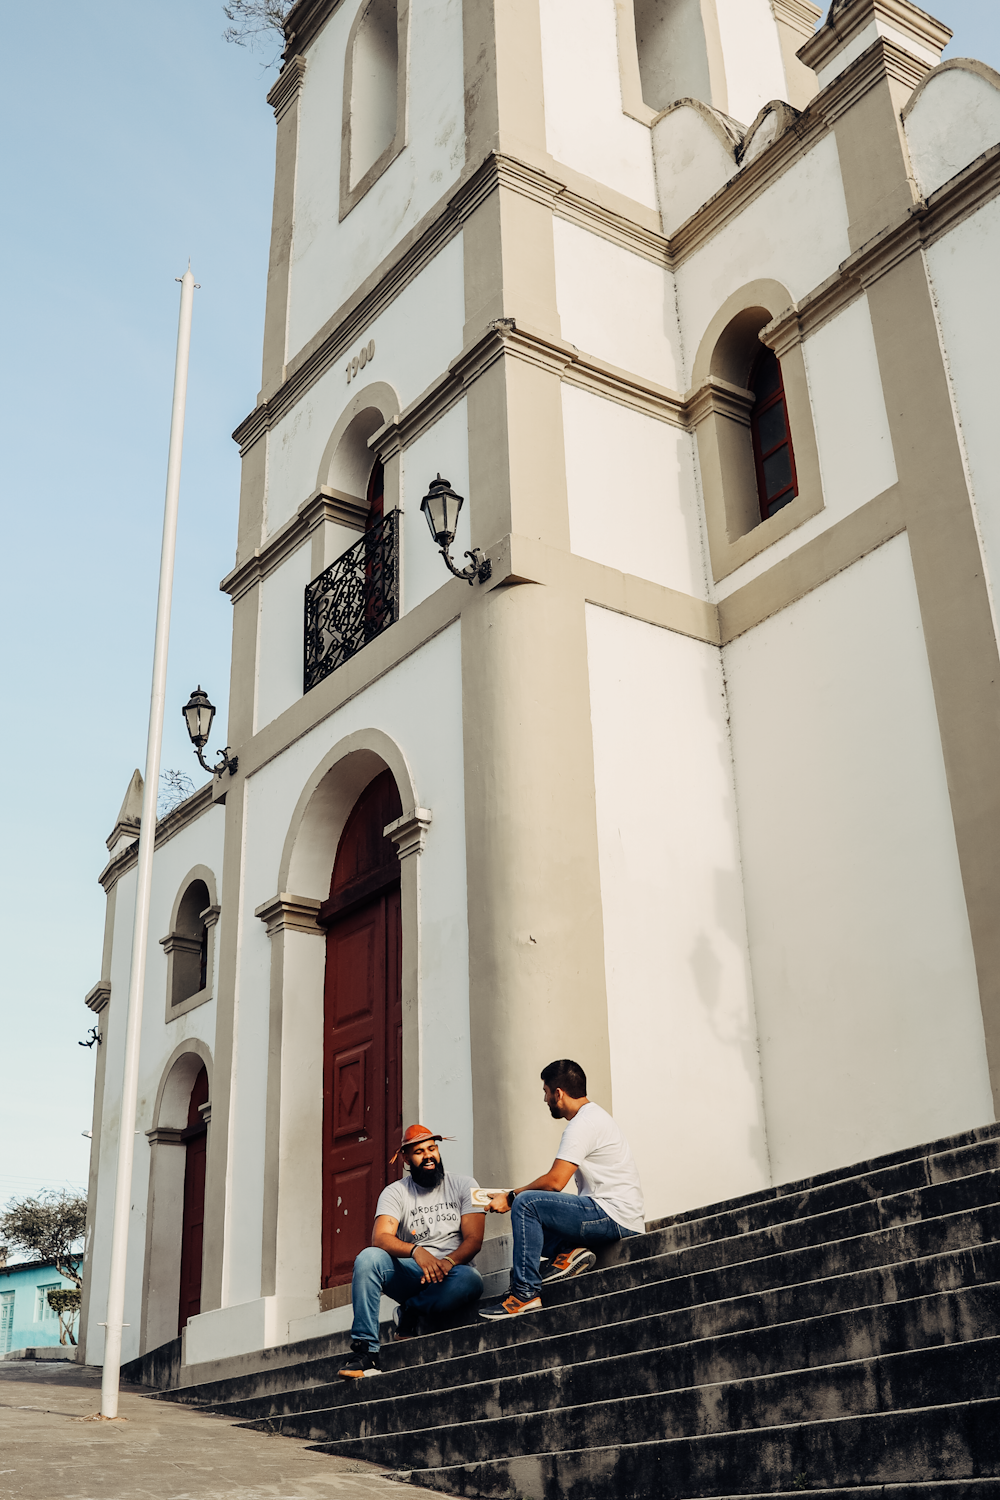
(50, 1228)
(255, 22)
(175, 788)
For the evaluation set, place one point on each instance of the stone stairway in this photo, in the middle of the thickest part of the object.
(839, 1333)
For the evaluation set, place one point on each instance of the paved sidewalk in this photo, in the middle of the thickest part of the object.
(162, 1452)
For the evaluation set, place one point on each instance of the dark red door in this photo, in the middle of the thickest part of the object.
(362, 1074)
(193, 1224)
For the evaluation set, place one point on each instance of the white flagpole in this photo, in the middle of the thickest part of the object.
(144, 874)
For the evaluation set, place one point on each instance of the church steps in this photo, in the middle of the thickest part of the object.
(608, 1330)
(921, 1447)
(728, 1222)
(838, 1338)
(860, 1334)
(572, 1407)
(931, 1203)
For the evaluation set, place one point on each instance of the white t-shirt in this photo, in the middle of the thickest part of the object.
(431, 1218)
(605, 1169)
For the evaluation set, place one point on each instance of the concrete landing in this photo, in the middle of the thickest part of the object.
(162, 1452)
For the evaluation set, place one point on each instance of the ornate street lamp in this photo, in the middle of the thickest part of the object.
(441, 506)
(198, 715)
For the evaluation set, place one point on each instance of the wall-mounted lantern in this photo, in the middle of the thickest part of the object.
(441, 506)
(198, 715)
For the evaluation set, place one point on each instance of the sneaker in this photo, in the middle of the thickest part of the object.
(362, 1363)
(512, 1306)
(569, 1263)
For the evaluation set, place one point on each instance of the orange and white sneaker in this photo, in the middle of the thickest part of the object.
(569, 1263)
(512, 1306)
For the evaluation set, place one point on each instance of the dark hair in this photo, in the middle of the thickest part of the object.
(565, 1075)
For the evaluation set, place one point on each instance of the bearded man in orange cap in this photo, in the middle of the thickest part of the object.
(427, 1230)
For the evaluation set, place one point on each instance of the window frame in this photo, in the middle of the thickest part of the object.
(351, 196)
(757, 411)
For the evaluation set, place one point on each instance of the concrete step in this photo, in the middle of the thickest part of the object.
(622, 1325)
(921, 1447)
(497, 1385)
(481, 1423)
(714, 1247)
(855, 1172)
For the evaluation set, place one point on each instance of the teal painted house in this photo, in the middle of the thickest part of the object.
(26, 1319)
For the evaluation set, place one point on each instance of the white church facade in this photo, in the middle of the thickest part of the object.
(694, 304)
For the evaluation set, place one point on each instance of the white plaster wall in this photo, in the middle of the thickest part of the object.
(692, 164)
(632, 498)
(331, 259)
(794, 232)
(279, 647)
(584, 124)
(852, 432)
(416, 337)
(962, 269)
(200, 843)
(419, 705)
(616, 305)
(871, 1032)
(752, 56)
(444, 449)
(683, 1037)
(955, 119)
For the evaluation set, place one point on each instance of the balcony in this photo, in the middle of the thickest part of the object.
(352, 601)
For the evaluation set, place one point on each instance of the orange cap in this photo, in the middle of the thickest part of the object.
(419, 1135)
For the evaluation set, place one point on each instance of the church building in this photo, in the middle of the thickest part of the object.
(693, 773)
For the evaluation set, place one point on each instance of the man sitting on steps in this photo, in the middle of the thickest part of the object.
(427, 1229)
(550, 1223)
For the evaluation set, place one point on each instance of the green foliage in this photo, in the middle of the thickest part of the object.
(49, 1227)
(66, 1302)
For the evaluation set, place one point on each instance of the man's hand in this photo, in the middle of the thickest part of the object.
(499, 1204)
(434, 1270)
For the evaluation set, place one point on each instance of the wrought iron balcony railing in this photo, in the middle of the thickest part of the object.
(352, 601)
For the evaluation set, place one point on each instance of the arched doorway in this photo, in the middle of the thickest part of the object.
(363, 1028)
(195, 1136)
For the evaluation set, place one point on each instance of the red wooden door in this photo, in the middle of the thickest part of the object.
(193, 1223)
(362, 1072)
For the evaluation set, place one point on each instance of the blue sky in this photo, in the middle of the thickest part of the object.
(136, 137)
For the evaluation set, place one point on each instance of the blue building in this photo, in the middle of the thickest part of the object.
(26, 1319)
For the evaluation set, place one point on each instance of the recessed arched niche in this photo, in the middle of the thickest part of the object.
(374, 120)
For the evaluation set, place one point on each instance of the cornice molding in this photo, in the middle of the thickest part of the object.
(801, 14)
(125, 828)
(285, 913)
(305, 21)
(167, 828)
(166, 1135)
(98, 997)
(850, 18)
(288, 87)
(324, 504)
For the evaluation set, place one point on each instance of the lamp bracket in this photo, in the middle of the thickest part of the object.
(225, 763)
(479, 566)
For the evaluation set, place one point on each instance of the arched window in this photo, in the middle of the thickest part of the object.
(374, 97)
(189, 946)
(774, 459)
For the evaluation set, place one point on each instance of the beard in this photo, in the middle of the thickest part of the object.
(428, 1176)
(554, 1112)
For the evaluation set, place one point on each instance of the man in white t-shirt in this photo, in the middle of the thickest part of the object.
(553, 1225)
(427, 1230)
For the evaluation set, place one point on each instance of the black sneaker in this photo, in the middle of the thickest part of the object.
(362, 1363)
(569, 1263)
(404, 1323)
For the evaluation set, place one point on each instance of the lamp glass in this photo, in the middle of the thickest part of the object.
(199, 713)
(441, 506)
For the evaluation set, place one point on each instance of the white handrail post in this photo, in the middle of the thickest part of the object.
(144, 873)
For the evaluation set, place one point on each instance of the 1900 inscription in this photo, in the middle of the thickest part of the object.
(363, 356)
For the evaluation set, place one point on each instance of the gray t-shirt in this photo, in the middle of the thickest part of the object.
(430, 1218)
(605, 1171)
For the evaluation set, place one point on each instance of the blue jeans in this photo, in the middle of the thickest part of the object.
(377, 1272)
(542, 1222)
